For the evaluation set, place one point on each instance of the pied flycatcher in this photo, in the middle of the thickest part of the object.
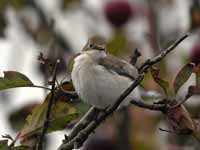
(100, 78)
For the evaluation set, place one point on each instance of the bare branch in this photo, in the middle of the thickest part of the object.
(85, 120)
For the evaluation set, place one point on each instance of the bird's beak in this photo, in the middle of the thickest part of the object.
(100, 47)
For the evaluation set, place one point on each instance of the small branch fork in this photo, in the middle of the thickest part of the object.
(87, 125)
(50, 104)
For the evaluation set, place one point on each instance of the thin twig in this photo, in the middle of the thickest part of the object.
(168, 131)
(82, 135)
(135, 57)
(155, 107)
(50, 104)
(160, 56)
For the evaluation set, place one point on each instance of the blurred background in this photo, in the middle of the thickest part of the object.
(60, 28)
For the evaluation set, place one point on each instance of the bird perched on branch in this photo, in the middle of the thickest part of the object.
(100, 78)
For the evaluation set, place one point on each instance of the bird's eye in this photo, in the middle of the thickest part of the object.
(91, 46)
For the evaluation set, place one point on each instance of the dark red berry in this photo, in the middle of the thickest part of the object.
(195, 54)
(118, 12)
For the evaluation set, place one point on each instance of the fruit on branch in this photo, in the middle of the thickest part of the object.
(118, 12)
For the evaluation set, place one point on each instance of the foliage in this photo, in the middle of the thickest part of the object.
(62, 112)
(182, 76)
(14, 79)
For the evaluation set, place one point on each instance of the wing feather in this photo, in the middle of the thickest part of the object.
(119, 66)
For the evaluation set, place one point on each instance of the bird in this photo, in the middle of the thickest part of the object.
(99, 78)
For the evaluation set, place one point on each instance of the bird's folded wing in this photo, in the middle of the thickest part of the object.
(119, 66)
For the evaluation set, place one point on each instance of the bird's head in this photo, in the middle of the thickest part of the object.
(95, 43)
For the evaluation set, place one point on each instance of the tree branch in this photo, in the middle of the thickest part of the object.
(85, 120)
(47, 118)
(81, 136)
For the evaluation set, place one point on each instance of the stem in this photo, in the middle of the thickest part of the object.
(160, 56)
(50, 104)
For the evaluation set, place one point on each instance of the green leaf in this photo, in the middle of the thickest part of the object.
(182, 76)
(61, 114)
(156, 76)
(13, 79)
(20, 148)
(4, 145)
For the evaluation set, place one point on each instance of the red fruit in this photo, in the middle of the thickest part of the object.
(195, 54)
(118, 12)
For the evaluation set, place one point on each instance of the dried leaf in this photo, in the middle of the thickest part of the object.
(156, 76)
(180, 120)
(13, 79)
(182, 76)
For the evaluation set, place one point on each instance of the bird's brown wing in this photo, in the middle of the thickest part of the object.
(119, 66)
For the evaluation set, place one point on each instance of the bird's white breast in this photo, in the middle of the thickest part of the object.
(96, 85)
